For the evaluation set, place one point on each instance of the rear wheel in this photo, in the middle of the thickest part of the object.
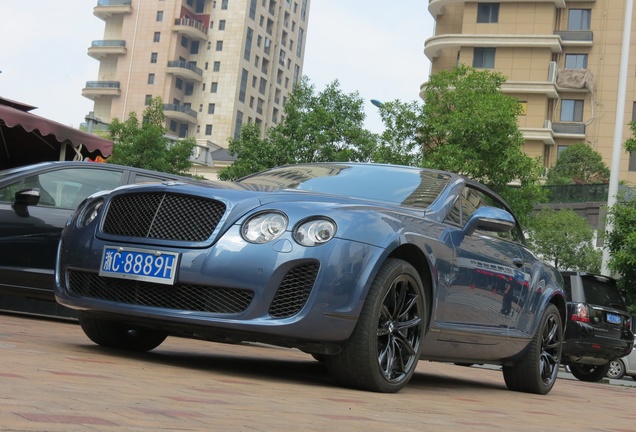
(537, 371)
(383, 350)
(616, 369)
(113, 334)
(589, 373)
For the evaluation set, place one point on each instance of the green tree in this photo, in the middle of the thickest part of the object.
(578, 164)
(317, 127)
(466, 125)
(145, 145)
(565, 239)
(621, 241)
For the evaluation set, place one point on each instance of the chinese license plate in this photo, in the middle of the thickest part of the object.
(613, 318)
(139, 264)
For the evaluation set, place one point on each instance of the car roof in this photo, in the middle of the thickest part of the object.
(26, 169)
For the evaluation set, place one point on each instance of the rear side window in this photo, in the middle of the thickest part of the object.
(602, 292)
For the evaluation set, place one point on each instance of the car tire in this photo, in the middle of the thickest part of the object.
(113, 334)
(589, 373)
(536, 372)
(382, 353)
(616, 369)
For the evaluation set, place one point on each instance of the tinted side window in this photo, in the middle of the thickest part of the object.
(66, 188)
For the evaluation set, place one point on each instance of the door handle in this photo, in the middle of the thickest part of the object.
(518, 261)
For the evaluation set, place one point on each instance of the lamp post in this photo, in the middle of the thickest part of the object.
(618, 124)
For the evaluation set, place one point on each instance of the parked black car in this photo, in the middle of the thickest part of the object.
(35, 203)
(598, 329)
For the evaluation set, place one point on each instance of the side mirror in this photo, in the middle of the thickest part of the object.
(25, 198)
(489, 219)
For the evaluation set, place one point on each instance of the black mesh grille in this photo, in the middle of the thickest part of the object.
(294, 291)
(185, 297)
(163, 216)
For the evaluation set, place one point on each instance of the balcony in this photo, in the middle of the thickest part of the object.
(103, 48)
(544, 135)
(107, 8)
(569, 130)
(96, 89)
(185, 69)
(191, 28)
(182, 113)
(434, 45)
(436, 7)
(576, 37)
(548, 87)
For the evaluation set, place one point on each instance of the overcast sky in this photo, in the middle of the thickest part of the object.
(373, 47)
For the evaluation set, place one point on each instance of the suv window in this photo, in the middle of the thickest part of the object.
(597, 290)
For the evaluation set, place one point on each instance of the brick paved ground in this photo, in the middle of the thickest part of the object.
(52, 378)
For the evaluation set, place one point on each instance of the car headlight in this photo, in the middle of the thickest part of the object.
(264, 227)
(90, 212)
(315, 232)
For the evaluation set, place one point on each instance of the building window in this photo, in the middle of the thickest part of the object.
(303, 10)
(484, 58)
(151, 78)
(194, 47)
(222, 25)
(178, 83)
(524, 107)
(219, 45)
(189, 89)
(576, 61)
(185, 41)
(579, 19)
(248, 44)
(214, 87)
(262, 86)
(148, 100)
(299, 47)
(156, 37)
(208, 129)
(159, 16)
(153, 57)
(211, 108)
(224, 4)
(238, 124)
(243, 87)
(217, 66)
(487, 12)
(571, 110)
(173, 125)
(252, 13)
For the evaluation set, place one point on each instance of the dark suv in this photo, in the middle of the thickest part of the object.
(599, 325)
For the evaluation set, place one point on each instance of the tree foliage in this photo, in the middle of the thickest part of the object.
(565, 239)
(466, 125)
(621, 241)
(145, 145)
(317, 127)
(578, 164)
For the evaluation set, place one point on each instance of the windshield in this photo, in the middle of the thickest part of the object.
(392, 184)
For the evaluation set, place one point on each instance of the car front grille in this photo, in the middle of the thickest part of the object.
(294, 290)
(163, 216)
(185, 297)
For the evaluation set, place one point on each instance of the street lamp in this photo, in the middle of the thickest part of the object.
(377, 103)
(618, 125)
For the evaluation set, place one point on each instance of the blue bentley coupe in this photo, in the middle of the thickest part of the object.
(367, 267)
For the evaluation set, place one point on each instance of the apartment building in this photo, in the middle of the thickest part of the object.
(561, 59)
(216, 64)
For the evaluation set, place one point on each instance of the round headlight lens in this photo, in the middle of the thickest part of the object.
(264, 227)
(315, 232)
(91, 212)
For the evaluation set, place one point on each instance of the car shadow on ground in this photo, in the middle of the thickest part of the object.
(264, 363)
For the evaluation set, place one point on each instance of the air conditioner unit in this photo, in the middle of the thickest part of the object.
(547, 124)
